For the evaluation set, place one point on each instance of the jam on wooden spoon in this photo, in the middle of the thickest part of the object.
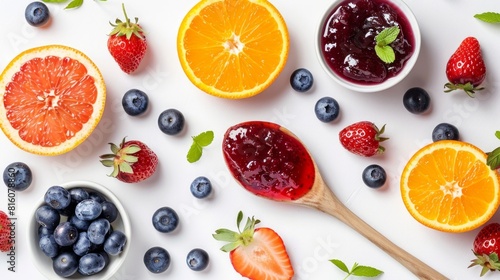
(270, 161)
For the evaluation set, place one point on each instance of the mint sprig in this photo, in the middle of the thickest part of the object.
(356, 270)
(382, 44)
(199, 142)
(493, 159)
(71, 5)
(489, 17)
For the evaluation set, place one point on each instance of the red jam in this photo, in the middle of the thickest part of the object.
(268, 162)
(348, 40)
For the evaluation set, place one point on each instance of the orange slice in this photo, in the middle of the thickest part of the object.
(447, 186)
(233, 48)
(51, 99)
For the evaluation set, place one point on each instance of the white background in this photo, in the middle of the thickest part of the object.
(310, 236)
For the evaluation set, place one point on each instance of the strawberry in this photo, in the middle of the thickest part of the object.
(465, 69)
(256, 253)
(5, 237)
(362, 138)
(486, 248)
(127, 44)
(132, 161)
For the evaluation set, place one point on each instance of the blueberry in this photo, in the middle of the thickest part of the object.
(65, 234)
(48, 246)
(201, 187)
(88, 209)
(17, 176)
(78, 194)
(37, 13)
(301, 80)
(165, 219)
(171, 121)
(197, 259)
(374, 176)
(327, 109)
(416, 100)
(57, 197)
(82, 245)
(44, 231)
(81, 225)
(115, 242)
(135, 102)
(157, 259)
(445, 131)
(65, 264)
(47, 216)
(97, 197)
(109, 211)
(91, 264)
(98, 230)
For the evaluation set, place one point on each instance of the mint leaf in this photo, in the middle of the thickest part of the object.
(497, 134)
(194, 153)
(340, 264)
(356, 270)
(387, 36)
(382, 44)
(366, 271)
(489, 17)
(493, 159)
(74, 4)
(205, 138)
(199, 142)
(385, 53)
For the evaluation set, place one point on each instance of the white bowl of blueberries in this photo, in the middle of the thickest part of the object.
(79, 230)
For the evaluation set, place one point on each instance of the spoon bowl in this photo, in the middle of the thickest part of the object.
(313, 193)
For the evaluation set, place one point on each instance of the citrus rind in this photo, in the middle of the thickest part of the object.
(200, 82)
(87, 128)
(471, 222)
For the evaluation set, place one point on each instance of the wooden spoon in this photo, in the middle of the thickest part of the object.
(322, 198)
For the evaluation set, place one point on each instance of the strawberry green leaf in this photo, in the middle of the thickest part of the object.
(340, 264)
(489, 17)
(382, 44)
(194, 153)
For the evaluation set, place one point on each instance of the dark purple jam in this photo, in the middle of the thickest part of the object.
(267, 161)
(348, 40)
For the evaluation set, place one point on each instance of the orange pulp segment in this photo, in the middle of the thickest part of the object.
(447, 186)
(233, 48)
(51, 99)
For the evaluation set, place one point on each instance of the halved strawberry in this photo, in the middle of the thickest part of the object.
(256, 253)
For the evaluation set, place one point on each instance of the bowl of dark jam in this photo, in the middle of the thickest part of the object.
(347, 38)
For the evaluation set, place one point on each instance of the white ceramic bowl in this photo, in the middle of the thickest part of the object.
(122, 223)
(388, 82)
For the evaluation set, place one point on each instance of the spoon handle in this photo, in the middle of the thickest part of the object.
(331, 205)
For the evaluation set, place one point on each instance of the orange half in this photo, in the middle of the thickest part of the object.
(233, 48)
(448, 186)
(51, 99)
